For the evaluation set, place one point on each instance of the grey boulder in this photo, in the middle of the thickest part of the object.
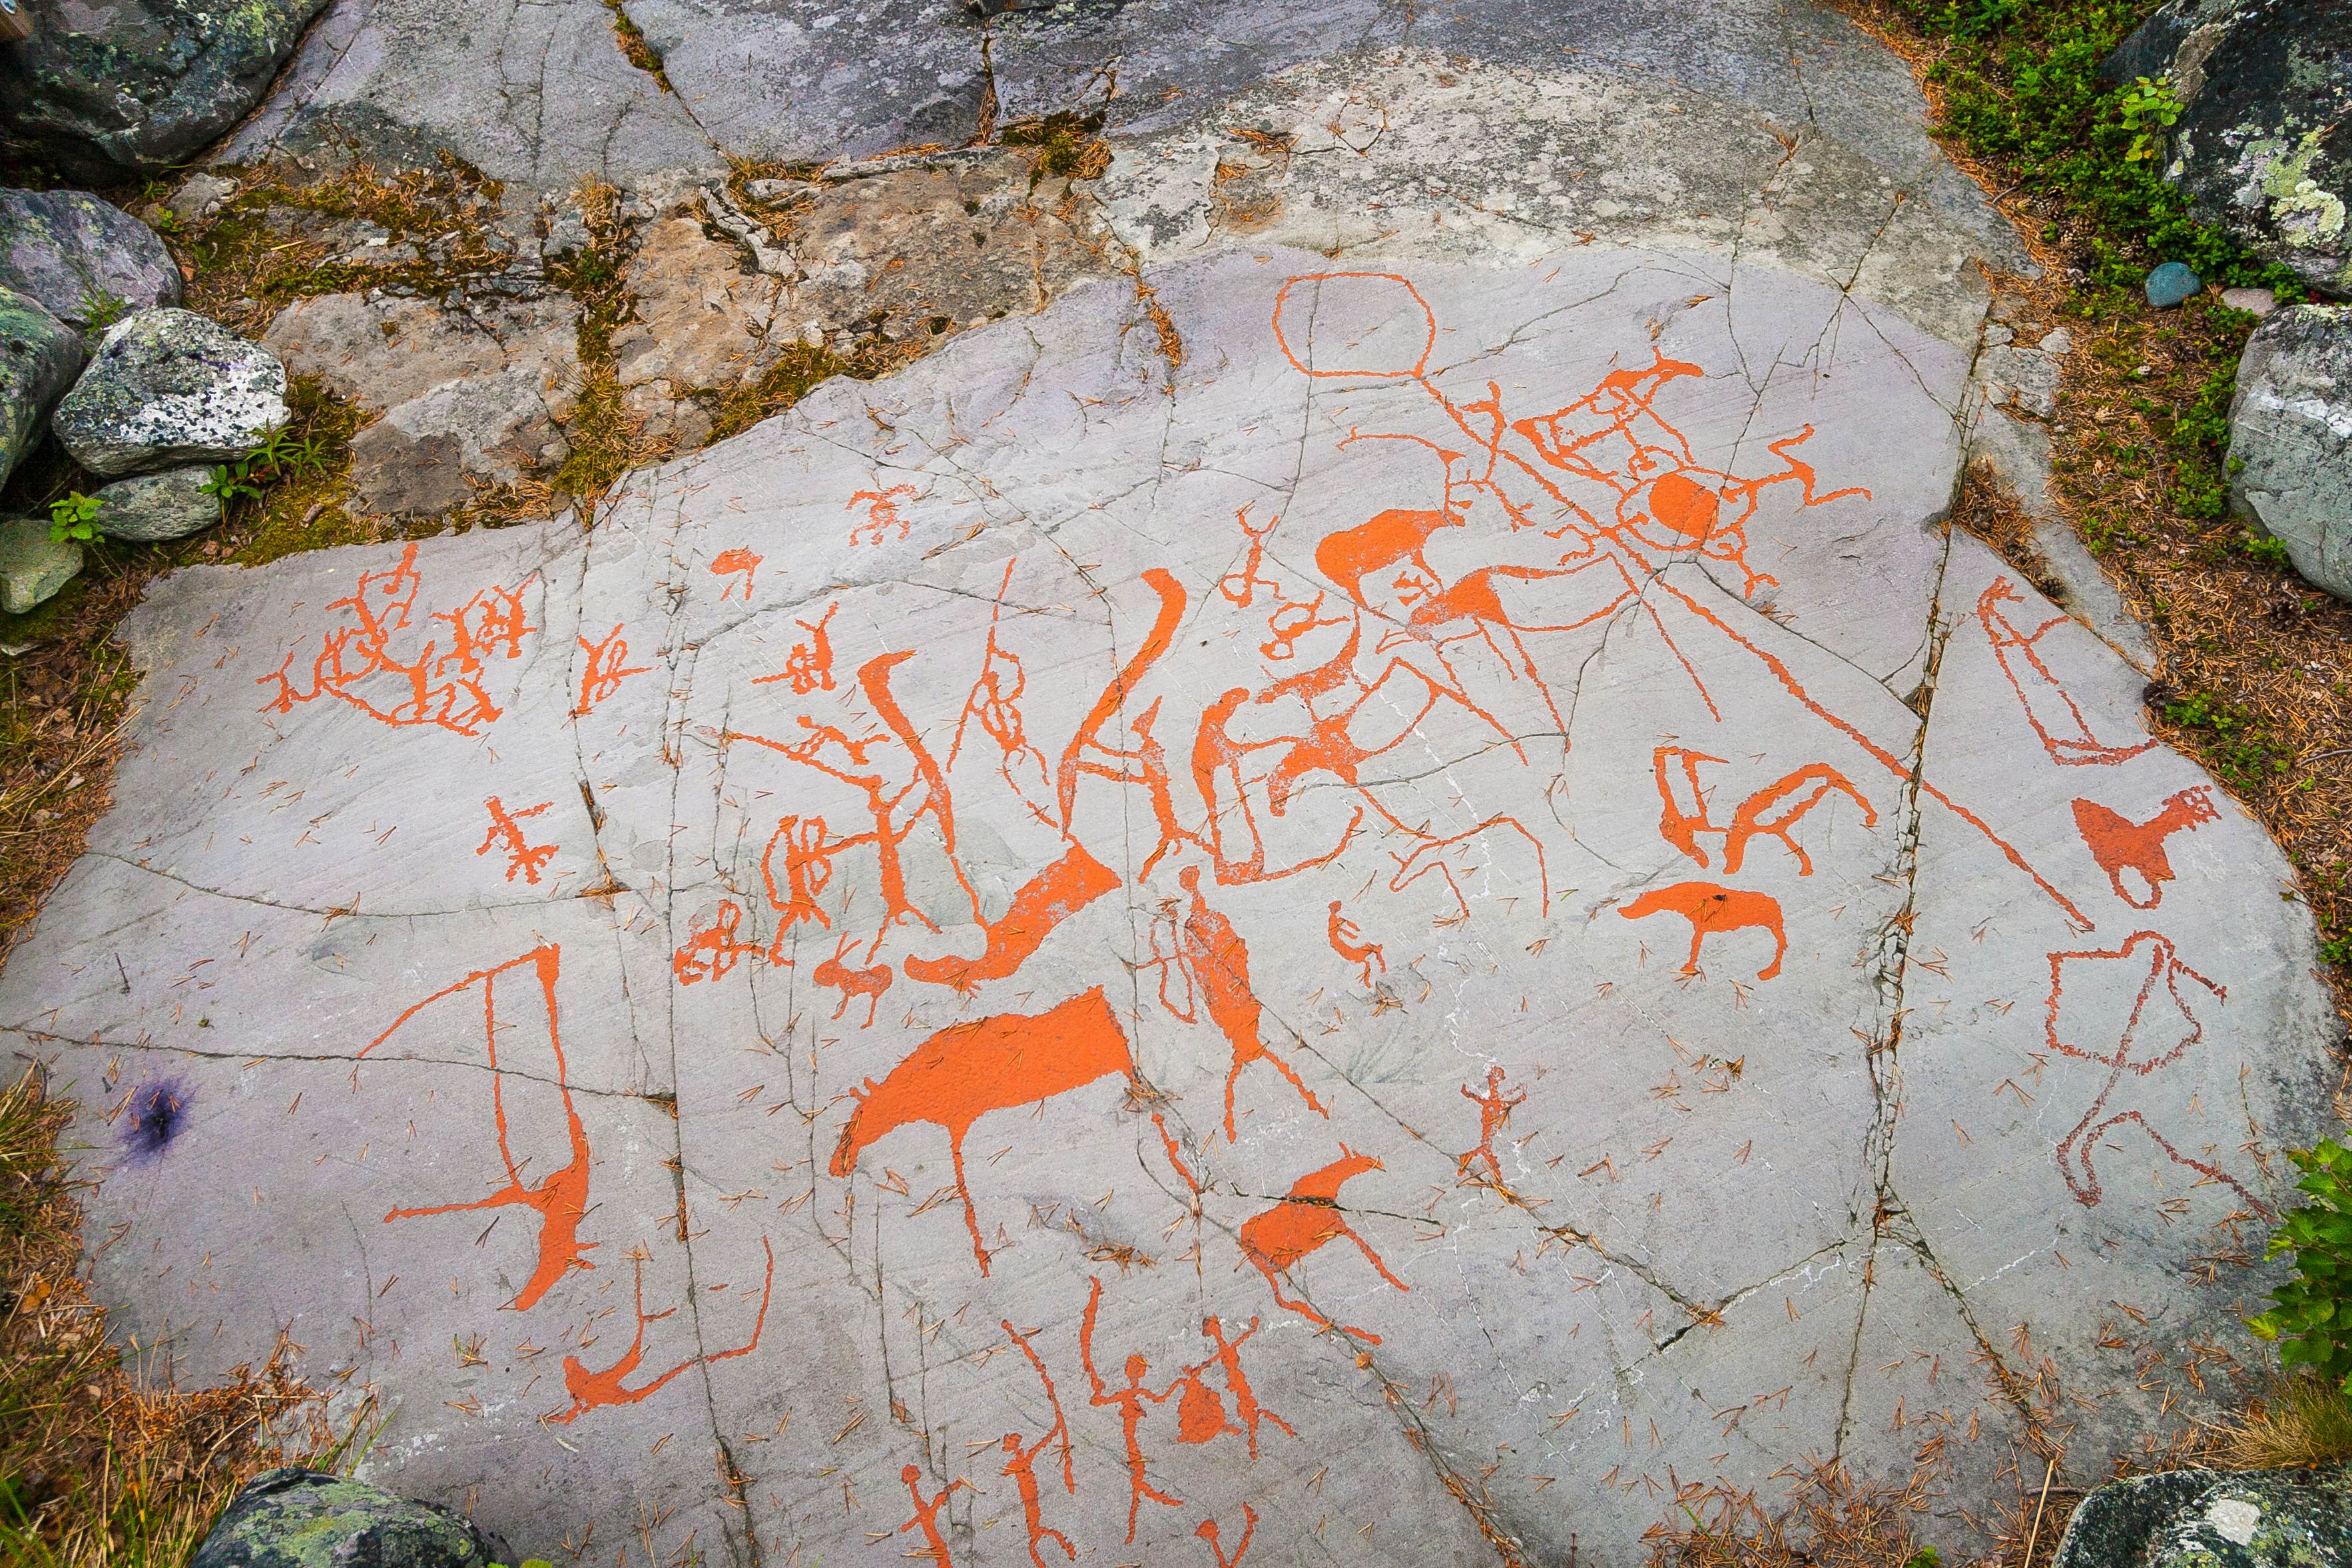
(151, 507)
(295, 1518)
(169, 388)
(2291, 439)
(2206, 1518)
(2264, 145)
(83, 258)
(39, 356)
(33, 566)
(135, 86)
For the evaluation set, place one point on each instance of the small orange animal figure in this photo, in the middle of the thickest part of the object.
(506, 830)
(736, 562)
(1219, 960)
(2120, 844)
(1308, 1217)
(968, 1070)
(711, 951)
(1208, 1532)
(927, 1516)
(1710, 909)
(1773, 811)
(1129, 1401)
(867, 983)
(1349, 943)
(595, 1390)
(1494, 1110)
(881, 513)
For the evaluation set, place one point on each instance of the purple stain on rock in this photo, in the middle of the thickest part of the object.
(154, 1115)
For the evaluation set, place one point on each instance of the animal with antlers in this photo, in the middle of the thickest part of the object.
(833, 974)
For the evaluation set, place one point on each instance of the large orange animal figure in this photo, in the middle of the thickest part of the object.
(1047, 899)
(597, 1390)
(1710, 909)
(1308, 1217)
(967, 1070)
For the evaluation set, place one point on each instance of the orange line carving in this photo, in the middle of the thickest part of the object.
(1208, 1532)
(597, 1390)
(560, 1199)
(927, 1516)
(1494, 1110)
(711, 951)
(1021, 1463)
(2164, 968)
(2120, 844)
(1306, 1218)
(809, 665)
(967, 1070)
(2068, 738)
(881, 514)
(1773, 811)
(1237, 1384)
(1129, 1401)
(1349, 943)
(1711, 909)
(606, 668)
(1219, 961)
(1044, 902)
(358, 663)
(523, 855)
(738, 562)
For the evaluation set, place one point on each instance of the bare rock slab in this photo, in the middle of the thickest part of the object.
(1382, 893)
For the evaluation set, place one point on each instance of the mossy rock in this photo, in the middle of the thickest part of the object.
(295, 1518)
(2208, 1519)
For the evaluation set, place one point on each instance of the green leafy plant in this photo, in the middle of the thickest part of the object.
(101, 308)
(2148, 110)
(73, 516)
(281, 457)
(2311, 1319)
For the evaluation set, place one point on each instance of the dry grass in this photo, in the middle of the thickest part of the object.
(1827, 1520)
(2295, 1422)
(96, 1469)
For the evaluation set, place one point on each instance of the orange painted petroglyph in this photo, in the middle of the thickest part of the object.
(606, 667)
(738, 563)
(1218, 962)
(1711, 909)
(881, 514)
(438, 684)
(1229, 1361)
(927, 1516)
(808, 867)
(1494, 1110)
(885, 798)
(1043, 902)
(809, 665)
(1773, 811)
(1200, 1413)
(871, 984)
(2120, 844)
(597, 1390)
(559, 1199)
(1020, 1462)
(1655, 504)
(968, 1070)
(1349, 943)
(1208, 1532)
(1308, 1217)
(1129, 1401)
(711, 951)
(2065, 735)
(2174, 1028)
(506, 832)
(995, 701)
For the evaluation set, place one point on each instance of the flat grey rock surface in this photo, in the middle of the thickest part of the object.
(1388, 915)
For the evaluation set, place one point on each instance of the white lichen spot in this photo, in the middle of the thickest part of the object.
(2233, 1519)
